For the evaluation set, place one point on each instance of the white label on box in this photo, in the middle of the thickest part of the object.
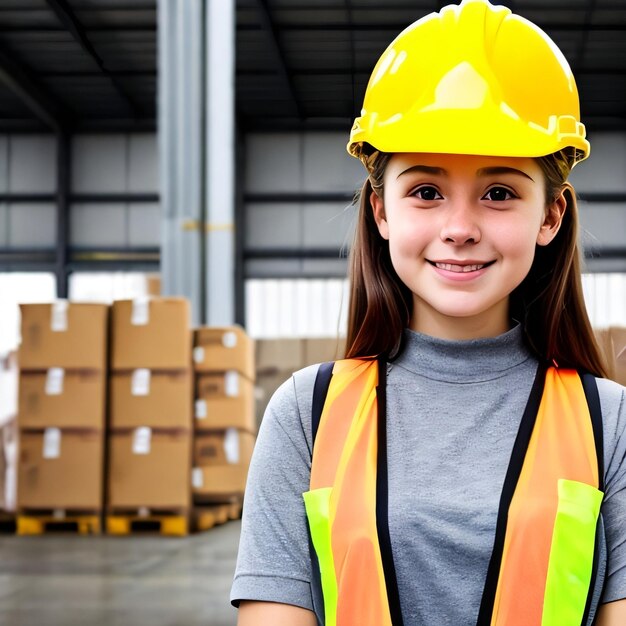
(198, 354)
(141, 312)
(231, 445)
(54, 381)
(143, 511)
(58, 323)
(231, 384)
(141, 440)
(140, 384)
(52, 443)
(229, 339)
(197, 478)
(200, 409)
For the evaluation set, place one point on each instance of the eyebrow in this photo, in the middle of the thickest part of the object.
(426, 169)
(495, 171)
(485, 171)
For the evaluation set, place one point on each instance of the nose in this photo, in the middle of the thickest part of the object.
(460, 226)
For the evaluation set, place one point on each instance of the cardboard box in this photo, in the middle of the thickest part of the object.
(223, 447)
(265, 386)
(152, 333)
(149, 469)
(64, 334)
(9, 377)
(151, 398)
(605, 342)
(153, 284)
(62, 398)
(224, 400)
(618, 338)
(322, 350)
(60, 470)
(279, 355)
(8, 474)
(218, 481)
(219, 349)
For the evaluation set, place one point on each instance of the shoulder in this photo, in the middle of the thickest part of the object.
(613, 405)
(290, 406)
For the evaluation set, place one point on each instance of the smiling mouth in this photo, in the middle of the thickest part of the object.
(461, 269)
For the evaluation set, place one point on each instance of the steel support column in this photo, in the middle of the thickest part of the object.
(220, 225)
(181, 145)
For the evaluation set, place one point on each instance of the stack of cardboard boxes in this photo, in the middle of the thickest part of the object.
(151, 394)
(8, 434)
(612, 342)
(61, 419)
(224, 413)
(277, 359)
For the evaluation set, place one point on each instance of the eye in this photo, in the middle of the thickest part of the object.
(499, 194)
(427, 192)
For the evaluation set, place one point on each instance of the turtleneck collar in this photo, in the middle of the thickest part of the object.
(464, 361)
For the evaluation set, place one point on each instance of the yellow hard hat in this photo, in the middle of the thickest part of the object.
(471, 79)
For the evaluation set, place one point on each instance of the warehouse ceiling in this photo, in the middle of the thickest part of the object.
(92, 64)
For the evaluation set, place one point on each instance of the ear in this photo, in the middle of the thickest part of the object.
(379, 214)
(553, 219)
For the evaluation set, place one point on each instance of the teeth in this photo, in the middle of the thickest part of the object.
(458, 268)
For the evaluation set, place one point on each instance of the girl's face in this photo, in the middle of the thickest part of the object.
(462, 232)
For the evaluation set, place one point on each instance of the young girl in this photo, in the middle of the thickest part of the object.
(465, 464)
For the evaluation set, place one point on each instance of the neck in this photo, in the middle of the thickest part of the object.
(430, 322)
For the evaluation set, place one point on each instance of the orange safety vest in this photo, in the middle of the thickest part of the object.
(543, 566)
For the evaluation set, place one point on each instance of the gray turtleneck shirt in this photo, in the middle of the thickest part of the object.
(453, 412)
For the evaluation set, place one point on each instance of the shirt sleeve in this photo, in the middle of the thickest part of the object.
(613, 404)
(273, 562)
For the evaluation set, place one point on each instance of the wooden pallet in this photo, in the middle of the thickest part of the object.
(166, 523)
(59, 521)
(8, 523)
(207, 516)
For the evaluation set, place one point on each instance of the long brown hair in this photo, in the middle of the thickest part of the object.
(548, 303)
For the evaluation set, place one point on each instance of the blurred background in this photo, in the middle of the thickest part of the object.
(175, 218)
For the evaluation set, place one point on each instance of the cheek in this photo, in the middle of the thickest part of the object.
(516, 239)
(408, 234)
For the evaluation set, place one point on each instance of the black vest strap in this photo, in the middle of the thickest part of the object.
(320, 391)
(516, 463)
(593, 402)
(382, 500)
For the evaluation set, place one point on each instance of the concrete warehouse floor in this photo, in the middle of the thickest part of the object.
(68, 580)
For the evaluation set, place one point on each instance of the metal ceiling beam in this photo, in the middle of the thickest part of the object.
(268, 25)
(36, 97)
(365, 72)
(582, 48)
(66, 16)
(393, 29)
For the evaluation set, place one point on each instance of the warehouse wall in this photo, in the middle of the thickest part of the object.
(101, 164)
(284, 174)
(27, 166)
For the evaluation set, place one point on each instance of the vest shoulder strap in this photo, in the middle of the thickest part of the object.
(320, 391)
(590, 388)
